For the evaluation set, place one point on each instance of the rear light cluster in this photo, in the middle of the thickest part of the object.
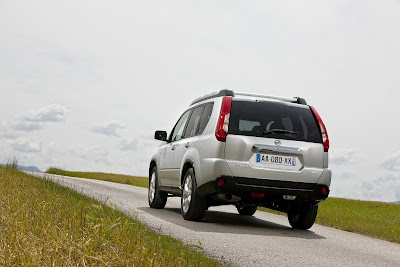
(324, 133)
(223, 122)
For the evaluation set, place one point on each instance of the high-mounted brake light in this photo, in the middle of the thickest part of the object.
(324, 133)
(223, 122)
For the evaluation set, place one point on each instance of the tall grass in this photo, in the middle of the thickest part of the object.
(12, 163)
(45, 224)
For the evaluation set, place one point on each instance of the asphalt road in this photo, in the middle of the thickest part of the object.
(261, 240)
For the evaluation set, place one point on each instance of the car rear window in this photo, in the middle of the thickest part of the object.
(273, 120)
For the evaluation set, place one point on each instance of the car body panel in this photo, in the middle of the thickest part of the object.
(239, 154)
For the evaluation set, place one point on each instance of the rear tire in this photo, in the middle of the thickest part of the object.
(157, 199)
(302, 215)
(247, 210)
(193, 207)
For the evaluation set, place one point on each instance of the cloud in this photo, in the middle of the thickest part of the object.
(129, 144)
(26, 145)
(27, 126)
(37, 120)
(341, 156)
(95, 153)
(52, 113)
(342, 175)
(83, 157)
(5, 131)
(383, 188)
(109, 128)
(103, 158)
(392, 163)
(386, 188)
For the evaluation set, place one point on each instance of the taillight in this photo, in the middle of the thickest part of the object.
(223, 122)
(324, 133)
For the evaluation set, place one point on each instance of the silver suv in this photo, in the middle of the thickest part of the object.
(247, 150)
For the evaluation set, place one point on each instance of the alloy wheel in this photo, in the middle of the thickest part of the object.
(152, 187)
(187, 193)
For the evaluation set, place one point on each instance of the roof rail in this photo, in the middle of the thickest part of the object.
(223, 92)
(285, 99)
(297, 100)
(229, 92)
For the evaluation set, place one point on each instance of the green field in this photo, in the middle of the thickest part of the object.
(45, 224)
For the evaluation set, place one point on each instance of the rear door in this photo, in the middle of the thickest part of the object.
(274, 140)
(169, 173)
(184, 143)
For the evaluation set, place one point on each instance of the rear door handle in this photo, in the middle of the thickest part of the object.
(173, 147)
(187, 145)
(280, 149)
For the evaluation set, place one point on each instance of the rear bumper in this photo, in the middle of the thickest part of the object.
(244, 187)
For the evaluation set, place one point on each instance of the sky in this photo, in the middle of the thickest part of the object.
(85, 84)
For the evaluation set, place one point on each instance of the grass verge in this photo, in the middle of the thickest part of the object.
(116, 178)
(374, 219)
(45, 224)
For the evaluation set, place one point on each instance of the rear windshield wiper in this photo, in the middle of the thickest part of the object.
(279, 131)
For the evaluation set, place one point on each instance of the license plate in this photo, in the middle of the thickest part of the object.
(276, 160)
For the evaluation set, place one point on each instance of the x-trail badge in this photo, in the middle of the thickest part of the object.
(277, 142)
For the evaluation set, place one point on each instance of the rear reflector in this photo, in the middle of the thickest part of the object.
(258, 195)
(324, 133)
(221, 181)
(223, 122)
(325, 190)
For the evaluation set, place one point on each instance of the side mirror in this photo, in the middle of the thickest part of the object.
(161, 135)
